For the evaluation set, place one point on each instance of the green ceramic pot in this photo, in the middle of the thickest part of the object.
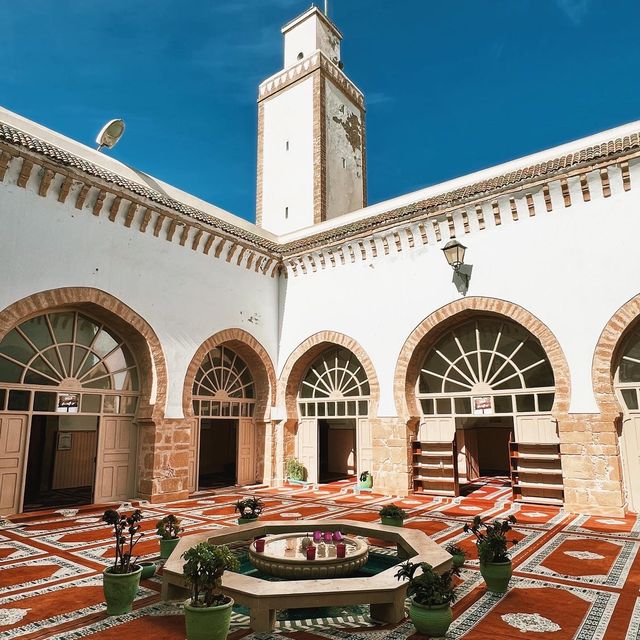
(120, 590)
(246, 520)
(148, 570)
(207, 623)
(392, 522)
(432, 622)
(496, 575)
(366, 484)
(167, 546)
(458, 560)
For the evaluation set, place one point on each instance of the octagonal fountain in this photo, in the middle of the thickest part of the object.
(309, 582)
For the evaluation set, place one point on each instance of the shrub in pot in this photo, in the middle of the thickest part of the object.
(121, 580)
(491, 542)
(207, 612)
(248, 510)
(392, 514)
(295, 469)
(431, 596)
(366, 480)
(168, 529)
(459, 555)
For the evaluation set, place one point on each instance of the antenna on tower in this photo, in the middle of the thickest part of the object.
(326, 8)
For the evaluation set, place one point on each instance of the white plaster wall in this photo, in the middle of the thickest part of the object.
(308, 36)
(572, 268)
(344, 153)
(184, 295)
(287, 175)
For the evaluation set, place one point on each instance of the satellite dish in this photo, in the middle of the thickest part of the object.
(110, 134)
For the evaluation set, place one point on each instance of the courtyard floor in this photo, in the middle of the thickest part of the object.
(574, 576)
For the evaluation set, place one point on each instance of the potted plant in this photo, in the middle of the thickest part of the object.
(392, 514)
(295, 470)
(168, 529)
(459, 555)
(249, 510)
(366, 480)
(495, 563)
(207, 612)
(121, 580)
(431, 596)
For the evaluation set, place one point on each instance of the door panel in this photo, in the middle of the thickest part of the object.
(116, 460)
(13, 442)
(471, 453)
(630, 455)
(536, 429)
(246, 451)
(364, 440)
(307, 447)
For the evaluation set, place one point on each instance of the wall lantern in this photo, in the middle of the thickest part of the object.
(454, 253)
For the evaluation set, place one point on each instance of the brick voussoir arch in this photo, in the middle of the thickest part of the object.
(257, 359)
(114, 313)
(606, 353)
(299, 361)
(441, 320)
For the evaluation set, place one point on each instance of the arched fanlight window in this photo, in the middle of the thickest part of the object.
(67, 349)
(486, 358)
(335, 379)
(335, 374)
(223, 385)
(627, 374)
(223, 374)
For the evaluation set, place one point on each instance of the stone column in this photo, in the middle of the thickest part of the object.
(163, 454)
(591, 467)
(391, 456)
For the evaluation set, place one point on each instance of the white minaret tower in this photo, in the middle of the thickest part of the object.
(311, 143)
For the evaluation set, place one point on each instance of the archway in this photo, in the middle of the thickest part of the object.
(331, 394)
(227, 393)
(122, 410)
(481, 389)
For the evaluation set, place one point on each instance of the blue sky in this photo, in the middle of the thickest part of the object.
(451, 87)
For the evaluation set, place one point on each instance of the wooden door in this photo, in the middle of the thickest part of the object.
(307, 447)
(116, 459)
(364, 446)
(471, 453)
(13, 446)
(630, 455)
(246, 451)
(194, 455)
(539, 429)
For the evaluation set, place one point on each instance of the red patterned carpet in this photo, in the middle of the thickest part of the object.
(575, 577)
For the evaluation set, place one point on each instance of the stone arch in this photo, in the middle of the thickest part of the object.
(299, 361)
(256, 357)
(606, 353)
(424, 336)
(108, 309)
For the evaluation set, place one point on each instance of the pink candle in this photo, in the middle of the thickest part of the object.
(341, 550)
(317, 536)
(328, 536)
(259, 542)
(311, 552)
(337, 536)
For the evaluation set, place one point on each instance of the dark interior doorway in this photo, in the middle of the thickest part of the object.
(61, 463)
(218, 453)
(336, 449)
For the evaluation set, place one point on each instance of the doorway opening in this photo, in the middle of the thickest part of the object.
(61, 464)
(483, 452)
(336, 449)
(218, 453)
